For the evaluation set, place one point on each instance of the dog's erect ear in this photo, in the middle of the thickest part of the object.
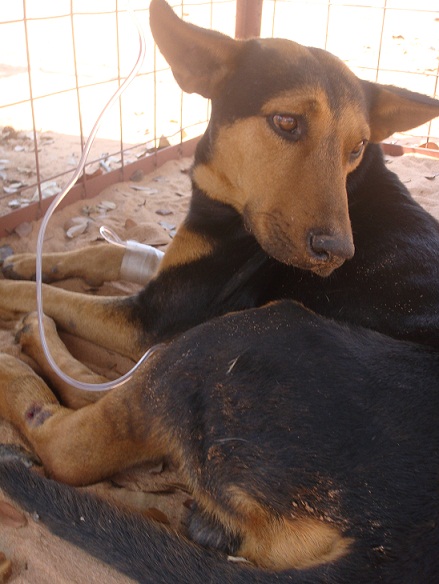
(200, 59)
(393, 109)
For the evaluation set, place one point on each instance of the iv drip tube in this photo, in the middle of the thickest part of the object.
(40, 241)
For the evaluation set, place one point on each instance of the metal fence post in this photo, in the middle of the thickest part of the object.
(248, 18)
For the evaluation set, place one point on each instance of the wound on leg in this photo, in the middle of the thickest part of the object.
(36, 415)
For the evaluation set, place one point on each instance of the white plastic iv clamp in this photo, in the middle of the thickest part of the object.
(140, 261)
(132, 262)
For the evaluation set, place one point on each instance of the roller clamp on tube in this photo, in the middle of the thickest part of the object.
(140, 262)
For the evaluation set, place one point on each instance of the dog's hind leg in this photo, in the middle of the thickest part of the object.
(29, 338)
(83, 446)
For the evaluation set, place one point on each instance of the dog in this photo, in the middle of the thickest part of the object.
(299, 304)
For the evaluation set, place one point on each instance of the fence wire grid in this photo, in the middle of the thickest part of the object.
(61, 60)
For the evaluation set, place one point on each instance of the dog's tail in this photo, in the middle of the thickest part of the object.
(145, 551)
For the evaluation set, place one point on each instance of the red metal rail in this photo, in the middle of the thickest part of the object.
(248, 18)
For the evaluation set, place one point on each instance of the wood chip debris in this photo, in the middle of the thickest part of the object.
(13, 187)
(105, 206)
(24, 229)
(76, 226)
(48, 188)
(167, 226)
(137, 175)
(107, 161)
(144, 189)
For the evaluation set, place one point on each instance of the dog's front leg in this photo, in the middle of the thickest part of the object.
(94, 263)
(105, 321)
(102, 262)
(83, 446)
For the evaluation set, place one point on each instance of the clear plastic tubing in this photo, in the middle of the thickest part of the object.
(39, 251)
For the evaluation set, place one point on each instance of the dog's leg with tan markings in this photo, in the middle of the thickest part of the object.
(95, 264)
(83, 446)
(80, 448)
(29, 338)
(106, 321)
(101, 263)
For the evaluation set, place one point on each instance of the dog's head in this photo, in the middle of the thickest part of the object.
(288, 124)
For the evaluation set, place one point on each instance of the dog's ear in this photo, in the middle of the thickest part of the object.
(200, 59)
(393, 109)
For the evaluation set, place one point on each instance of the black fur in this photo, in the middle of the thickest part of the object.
(358, 451)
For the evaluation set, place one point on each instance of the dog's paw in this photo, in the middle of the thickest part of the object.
(5, 252)
(28, 334)
(27, 330)
(16, 453)
(208, 532)
(19, 266)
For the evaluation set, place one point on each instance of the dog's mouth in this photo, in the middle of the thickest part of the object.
(322, 269)
(325, 270)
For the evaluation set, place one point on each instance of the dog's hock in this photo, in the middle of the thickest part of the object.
(394, 109)
(200, 59)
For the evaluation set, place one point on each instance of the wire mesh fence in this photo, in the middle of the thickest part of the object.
(61, 62)
(62, 59)
(394, 42)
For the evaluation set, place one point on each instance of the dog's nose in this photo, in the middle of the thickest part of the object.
(325, 247)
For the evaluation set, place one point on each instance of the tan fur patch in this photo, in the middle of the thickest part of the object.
(186, 247)
(282, 543)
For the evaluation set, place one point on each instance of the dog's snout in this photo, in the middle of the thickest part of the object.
(325, 247)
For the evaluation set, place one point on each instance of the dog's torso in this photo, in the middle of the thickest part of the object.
(356, 452)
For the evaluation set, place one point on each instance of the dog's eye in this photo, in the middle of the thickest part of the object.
(284, 123)
(358, 150)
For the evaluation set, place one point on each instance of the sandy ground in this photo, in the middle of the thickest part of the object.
(149, 215)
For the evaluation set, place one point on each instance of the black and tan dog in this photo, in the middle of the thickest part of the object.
(310, 446)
